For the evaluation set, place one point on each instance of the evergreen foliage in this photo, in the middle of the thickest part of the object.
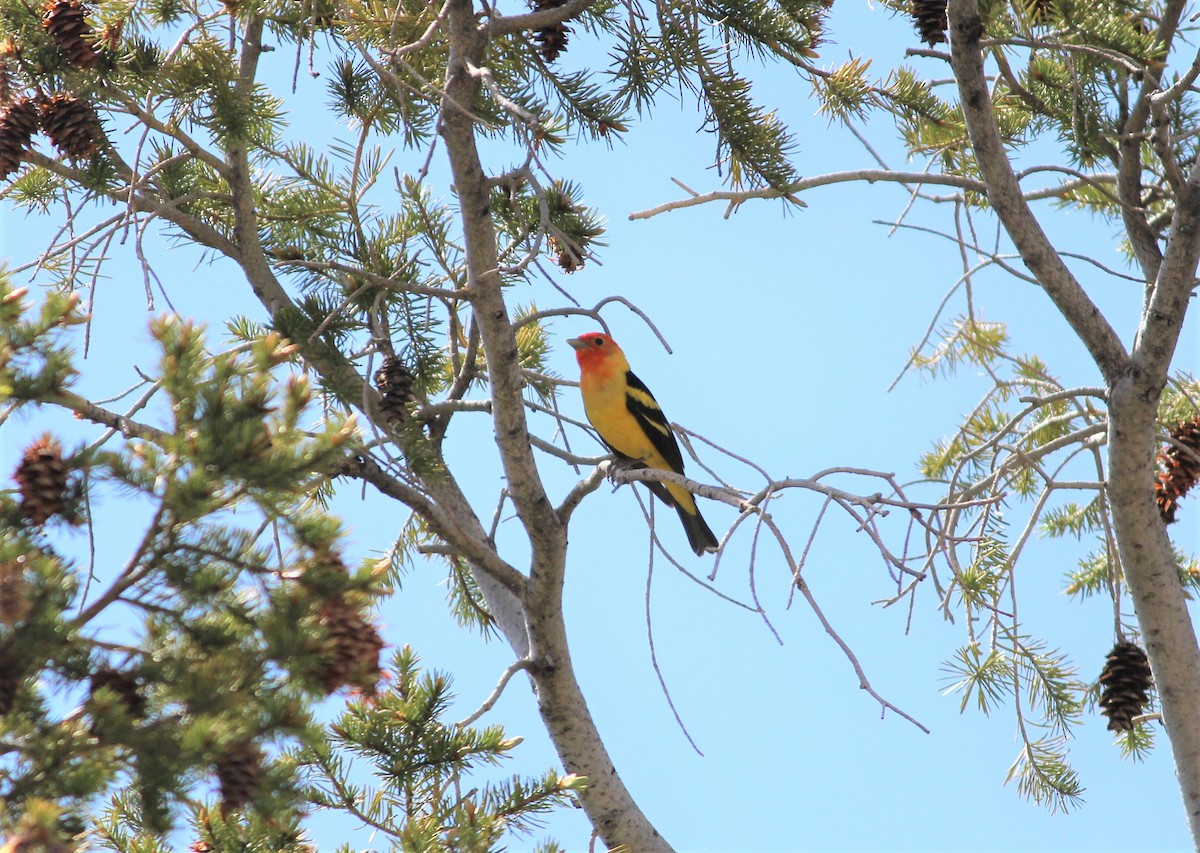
(385, 294)
(1025, 440)
(229, 638)
(427, 793)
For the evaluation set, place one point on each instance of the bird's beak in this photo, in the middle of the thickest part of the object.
(576, 343)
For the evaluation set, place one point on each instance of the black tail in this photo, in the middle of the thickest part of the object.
(700, 537)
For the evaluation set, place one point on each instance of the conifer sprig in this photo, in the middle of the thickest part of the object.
(228, 651)
(430, 788)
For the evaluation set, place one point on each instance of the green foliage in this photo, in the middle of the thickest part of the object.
(1029, 443)
(1075, 519)
(846, 93)
(1064, 72)
(465, 598)
(986, 679)
(203, 87)
(462, 591)
(33, 361)
(755, 145)
(1095, 574)
(227, 637)
(1180, 401)
(427, 793)
(534, 353)
(356, 256)
(1043, 775)
(965, 341)
(759, 27)
(1044, 688)
(1136, 743)
(526, 215)
(1098, 573)
(193, 186)
(1034, 444)
(221, 434)
(36, 189)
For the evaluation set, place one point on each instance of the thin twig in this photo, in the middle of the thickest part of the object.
(488, 703)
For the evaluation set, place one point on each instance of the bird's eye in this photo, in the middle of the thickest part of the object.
(599, 342)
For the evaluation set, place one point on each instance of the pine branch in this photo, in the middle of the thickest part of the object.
(909, 180)
(491, 315)
(123, 424)
(502, 25)
(1004, 193)
(473, 548)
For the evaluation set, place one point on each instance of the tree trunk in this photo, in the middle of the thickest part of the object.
(1135, 382)
(1154, 583)
(608, 804)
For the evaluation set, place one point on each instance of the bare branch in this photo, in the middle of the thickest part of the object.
(97, 414)
(662, 681)
(454, 529)
(581, 490)
(858, 175)
(488, 703)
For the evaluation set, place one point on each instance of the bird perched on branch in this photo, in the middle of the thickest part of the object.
(634, 428)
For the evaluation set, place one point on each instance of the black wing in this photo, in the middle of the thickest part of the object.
(650, 418)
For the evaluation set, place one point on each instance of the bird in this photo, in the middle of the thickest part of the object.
(632, 425)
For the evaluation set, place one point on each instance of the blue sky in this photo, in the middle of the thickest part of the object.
(787, 329)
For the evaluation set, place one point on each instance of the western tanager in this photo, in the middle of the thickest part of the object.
(633, 426)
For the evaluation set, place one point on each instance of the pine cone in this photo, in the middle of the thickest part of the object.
(8, 52)
(10, 679)
(14, 592)
(568, 261)
(72, 125)
(1039, 12)
(6, 87)
(1182, 468)
(239, 773)
(395, 384)
(352, 648)
(929, 20)
(42, 476)
(552, 40)
(66, 21)
(1127, 682)
(125, 686)
(18, 124)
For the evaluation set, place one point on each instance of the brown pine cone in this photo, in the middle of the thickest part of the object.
(351, 655)
(1181, 468)
(1126, 682)
(42, 477)
(15, 603)
(395, 384)
(18, 124)
(72, 125)
(10, 678)
(66, 21)
(929, 20)
(239, 773)
(6, 84)
(552, 40)
(124, 685)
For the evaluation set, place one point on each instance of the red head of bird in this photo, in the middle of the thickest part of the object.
(598, 354)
